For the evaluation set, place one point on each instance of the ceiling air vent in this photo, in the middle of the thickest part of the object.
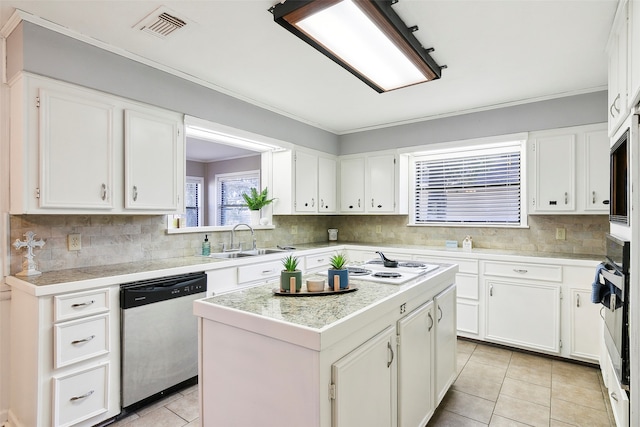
(161, 23)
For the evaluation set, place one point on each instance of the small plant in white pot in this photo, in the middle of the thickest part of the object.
(255, 201)
(290, 273)
(338, 270)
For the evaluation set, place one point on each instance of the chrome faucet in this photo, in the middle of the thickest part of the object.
(233, 235)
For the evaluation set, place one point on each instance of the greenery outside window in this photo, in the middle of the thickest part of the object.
(475, 186)
(230, 187)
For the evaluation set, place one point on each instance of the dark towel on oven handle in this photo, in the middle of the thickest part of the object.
(601, 289)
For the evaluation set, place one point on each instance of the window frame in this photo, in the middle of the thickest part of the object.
(459, 149)
(218, 178)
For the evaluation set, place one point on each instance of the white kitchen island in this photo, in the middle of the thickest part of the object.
(383, 355)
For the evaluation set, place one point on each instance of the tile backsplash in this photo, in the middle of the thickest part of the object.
(111, 239)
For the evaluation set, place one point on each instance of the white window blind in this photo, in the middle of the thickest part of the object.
(231, 209)
(472, 187)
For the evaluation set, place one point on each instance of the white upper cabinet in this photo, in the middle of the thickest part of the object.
(303, 182)
(352, 184)
(327, 179)
(617, 49)
(568, 171)
(153, 157)
(373, 183)
(79, 151)
(76, 150)
(381, 180)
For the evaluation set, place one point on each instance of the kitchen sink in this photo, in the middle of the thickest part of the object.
(244, 254)
(230, 255)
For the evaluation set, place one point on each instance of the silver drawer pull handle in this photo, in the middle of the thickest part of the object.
(392, 354)
(267, 271)
(517, 270)
(614, 396)
(103, 192)
(87, 339)
(82, 304)
(430, 321)
(135, 193)
(566, 198)
(84, 396)
(320, 260)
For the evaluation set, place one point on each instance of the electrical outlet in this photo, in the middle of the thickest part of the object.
(560, 233)
(74, 241)
(378, 229)
(294, 229)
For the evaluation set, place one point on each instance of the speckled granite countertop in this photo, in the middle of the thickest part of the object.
(84, 278)
(312, 311)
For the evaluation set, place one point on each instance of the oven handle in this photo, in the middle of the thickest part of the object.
(613, 277)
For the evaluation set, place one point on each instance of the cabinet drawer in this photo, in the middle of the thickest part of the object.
(80, 339)
(257, 272)
(618, 398)
(550, 273)
(80, 395)
(467, 285)
(312, 262)
(464, 265)
(78, 304)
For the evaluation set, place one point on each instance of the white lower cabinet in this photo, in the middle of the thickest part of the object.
(523, 314)
(65, 358)
(80, 395)
(416, 402)
(363, 384)
(446, 339)
(585, 325)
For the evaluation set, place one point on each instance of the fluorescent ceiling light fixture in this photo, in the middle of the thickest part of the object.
(209, 135)
(365, 37)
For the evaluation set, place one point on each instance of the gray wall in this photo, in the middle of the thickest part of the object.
(556, 113)
(54, 55)
(42, 51)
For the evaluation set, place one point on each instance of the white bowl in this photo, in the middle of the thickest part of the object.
(315, 285)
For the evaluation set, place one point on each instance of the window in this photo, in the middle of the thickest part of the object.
(193, 201)
(231, 207)
(473, 186)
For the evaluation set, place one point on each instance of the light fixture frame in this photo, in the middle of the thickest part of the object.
(385, 18)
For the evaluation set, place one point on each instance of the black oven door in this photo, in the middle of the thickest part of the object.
(616, 319)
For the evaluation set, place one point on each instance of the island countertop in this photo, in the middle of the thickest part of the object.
(315, 321)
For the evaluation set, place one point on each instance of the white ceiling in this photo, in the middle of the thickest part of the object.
(498, 52)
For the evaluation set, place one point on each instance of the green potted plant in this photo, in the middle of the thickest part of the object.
(338, 268)
(255, 201)
(290, 264)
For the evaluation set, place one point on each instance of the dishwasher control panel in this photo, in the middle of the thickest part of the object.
(144, 292)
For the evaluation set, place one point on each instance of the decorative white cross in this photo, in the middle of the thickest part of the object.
(28, 265)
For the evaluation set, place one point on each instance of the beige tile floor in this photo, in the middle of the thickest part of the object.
(495, 387)
(498, 387)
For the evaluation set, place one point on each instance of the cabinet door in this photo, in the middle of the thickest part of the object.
(381, 183)
(524, 315)
(154, 161)
(445, 346)
(555, 171)
(364, 382)
(76, 150)
(306, 182)
(617, 50)
(352, 185)
(415, 369)
(326, 185)
(596, 176)
(586, 327)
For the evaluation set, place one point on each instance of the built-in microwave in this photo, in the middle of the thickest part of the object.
(619, 202)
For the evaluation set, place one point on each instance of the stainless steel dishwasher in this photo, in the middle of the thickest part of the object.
(159, 336)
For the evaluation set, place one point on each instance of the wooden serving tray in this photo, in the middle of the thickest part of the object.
(305, 293)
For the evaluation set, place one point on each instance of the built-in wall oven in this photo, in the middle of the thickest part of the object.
(613, 294)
